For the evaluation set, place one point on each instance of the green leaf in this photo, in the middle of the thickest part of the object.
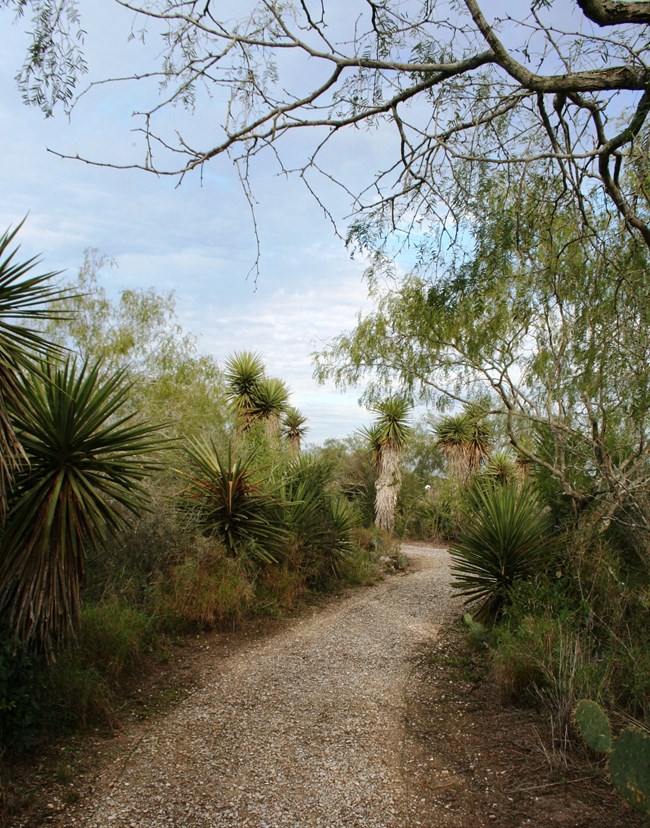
(227, 502)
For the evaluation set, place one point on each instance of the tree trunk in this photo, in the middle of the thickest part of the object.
(387, 487)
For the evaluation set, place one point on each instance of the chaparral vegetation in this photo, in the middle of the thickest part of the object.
(146, 489)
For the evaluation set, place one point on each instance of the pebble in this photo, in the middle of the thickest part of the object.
(301, 729)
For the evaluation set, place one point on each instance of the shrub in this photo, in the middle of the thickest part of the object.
(382, 548)
(206, 589)
(421, 518)
(80, 688)
(279, 588)
(361, 568)
(77, 696)
(113, 639)
(435, 514)
(548, 650)
(138, 556)
(20, 679)
(627, 664)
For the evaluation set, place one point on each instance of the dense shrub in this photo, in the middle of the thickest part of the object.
(81, 686)
(205, 589)
(20, 680)
(549, 649)
(137, 557)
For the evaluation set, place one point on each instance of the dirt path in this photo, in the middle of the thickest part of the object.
(300, 729)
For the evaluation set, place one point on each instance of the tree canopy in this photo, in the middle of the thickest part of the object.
(449, 86)
(546, 326)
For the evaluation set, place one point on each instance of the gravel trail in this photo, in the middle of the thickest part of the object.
(303, 729)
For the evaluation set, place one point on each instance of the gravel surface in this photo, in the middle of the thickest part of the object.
(298, 730)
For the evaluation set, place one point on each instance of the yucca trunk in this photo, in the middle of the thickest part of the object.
(272, 426)
(458, 465)
(41, 590)
(387, 487)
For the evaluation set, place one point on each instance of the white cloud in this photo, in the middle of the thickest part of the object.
(197, 240)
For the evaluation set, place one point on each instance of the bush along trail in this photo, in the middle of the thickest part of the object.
(368, 711)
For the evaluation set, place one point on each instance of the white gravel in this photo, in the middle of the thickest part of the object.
(298, 730)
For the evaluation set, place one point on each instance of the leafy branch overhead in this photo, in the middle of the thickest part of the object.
(449, 86)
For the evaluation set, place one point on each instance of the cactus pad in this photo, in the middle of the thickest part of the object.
(629, 766)
(594, 726)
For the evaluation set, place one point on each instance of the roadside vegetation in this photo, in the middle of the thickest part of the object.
(149, 494)
(534, 332)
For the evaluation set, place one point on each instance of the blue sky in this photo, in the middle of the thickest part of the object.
(196, 239)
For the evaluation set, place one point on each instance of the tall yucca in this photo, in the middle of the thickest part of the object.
(293, 428)
(244, 372)
(387, 438)
(464, 440)
(85, 464)
(24, 300)
(270, 403)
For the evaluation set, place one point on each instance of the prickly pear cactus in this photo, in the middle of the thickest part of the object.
(628, 753)
(594, 726)
(629, 766)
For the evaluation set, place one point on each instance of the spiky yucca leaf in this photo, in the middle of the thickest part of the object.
(464, 440)
(228, 503)
(501, 468)
(319, 520)
(24, 299)
(508, 538)
(372, 438)
(270, 403)
(85, 464)
(391, 428)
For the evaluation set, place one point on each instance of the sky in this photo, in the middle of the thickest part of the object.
(196, 239)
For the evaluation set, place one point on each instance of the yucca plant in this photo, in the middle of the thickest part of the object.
(508, 537)
(230, 504)
(464, 440)
(269, 404)
(86, 461)
(293, 428)
(320, 521)
(25, 299)
(386, 439)
(501, 467)
(243, 374)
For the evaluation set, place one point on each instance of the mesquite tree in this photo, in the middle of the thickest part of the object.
(448, 85)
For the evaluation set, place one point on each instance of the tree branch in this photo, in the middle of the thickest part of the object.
(614, 12)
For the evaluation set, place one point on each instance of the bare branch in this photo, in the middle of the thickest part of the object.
(614, 12)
